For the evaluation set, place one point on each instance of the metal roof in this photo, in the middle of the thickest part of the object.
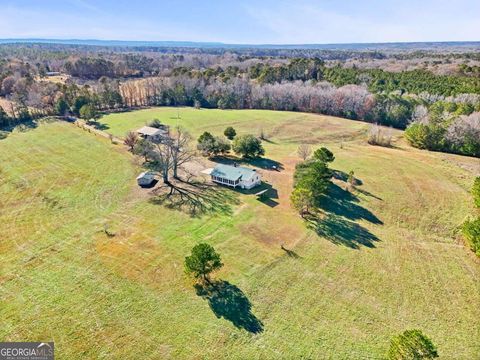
(150, 131)
(146, 175)
(233, 172)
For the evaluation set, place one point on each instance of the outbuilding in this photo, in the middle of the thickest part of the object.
(152, 134)
(236, 176)
(145, 178)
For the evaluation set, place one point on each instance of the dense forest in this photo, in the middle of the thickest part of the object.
(434, 95)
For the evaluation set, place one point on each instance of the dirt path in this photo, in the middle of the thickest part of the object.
(98, 131)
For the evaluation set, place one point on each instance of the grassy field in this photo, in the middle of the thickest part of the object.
(384, 259)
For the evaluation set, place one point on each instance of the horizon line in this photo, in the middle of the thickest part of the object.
(219, 43)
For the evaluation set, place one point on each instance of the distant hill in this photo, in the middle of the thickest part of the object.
(452, 45)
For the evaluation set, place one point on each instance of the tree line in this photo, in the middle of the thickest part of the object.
(446, 131)
(240, 82)
(471, 227)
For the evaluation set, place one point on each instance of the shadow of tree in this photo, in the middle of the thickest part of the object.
(195, 198)
(268, 201)
(341, 231)
(100, 126)
(290, 253)
(343, 203)
(228, 301)
(265, 193)
(27, 125)
(367, 193)
(343, 176)
(260, 162)
(341, 209)
(23, 126)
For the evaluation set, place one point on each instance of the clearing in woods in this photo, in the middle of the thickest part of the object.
(384, 259)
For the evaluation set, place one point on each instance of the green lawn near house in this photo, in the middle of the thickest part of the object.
(384, 258)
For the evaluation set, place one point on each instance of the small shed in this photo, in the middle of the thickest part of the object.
(145, 178)
(152, 134)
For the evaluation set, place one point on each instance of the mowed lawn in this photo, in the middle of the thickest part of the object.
(383, 259)
(296, 126)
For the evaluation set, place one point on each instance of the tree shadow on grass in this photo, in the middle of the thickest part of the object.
(337, 224)
(195, 198)
(3, 134)
(343, 176)
(340, 231)
(367, 193)
(260, 162)
(290, 253)
(23, 126)
(228, 301)
(343, 203)
(100, 126)
(265, 193)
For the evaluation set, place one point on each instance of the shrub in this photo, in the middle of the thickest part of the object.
(61, 107)
(302, 200)
(351, 179)
(143, 148)
(248, 146)
(463, 135)
(88, 113)
(211, 145)
(471, 232)
(155, 123)
(411, 345)
(476, 191)
(304, 151)
(379, 136)
(324, 155)
(230, 133)
(131, 140)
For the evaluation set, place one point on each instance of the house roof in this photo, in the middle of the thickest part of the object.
(150, 131)
(146, 175)
(233, 172)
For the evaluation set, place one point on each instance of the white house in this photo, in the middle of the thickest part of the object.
(236, 176)
(152, 134)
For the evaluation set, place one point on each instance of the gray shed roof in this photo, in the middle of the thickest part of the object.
(233, 172)
(150, 131)
(146, 175)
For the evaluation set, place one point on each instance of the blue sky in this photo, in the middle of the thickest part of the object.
(248, 21)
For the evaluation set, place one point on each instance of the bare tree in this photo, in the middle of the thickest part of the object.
(377, 135)
(420, 115)
(262, 135)
(131, 140)
(304, 151)
(180, 148)
(162, 160)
